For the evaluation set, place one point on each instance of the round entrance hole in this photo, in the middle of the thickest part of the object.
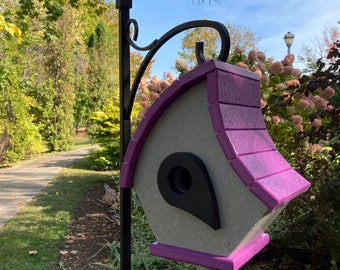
(180, 180)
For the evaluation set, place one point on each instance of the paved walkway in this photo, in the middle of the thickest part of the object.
(19, 184)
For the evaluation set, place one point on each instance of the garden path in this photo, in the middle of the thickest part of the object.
(20, 183)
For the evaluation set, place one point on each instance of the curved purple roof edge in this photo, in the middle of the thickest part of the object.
(240, 130)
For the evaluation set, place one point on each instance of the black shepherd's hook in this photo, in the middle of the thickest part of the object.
(127, 96)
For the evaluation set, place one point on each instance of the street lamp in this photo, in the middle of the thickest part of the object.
(289, 38)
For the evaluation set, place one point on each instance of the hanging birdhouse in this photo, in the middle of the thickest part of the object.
(206, 170)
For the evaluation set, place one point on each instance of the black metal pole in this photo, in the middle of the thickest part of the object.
(124, 7)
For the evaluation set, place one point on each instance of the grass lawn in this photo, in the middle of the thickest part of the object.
(32, 239)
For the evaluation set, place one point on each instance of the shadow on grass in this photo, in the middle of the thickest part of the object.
(83, 164)
(32, 239)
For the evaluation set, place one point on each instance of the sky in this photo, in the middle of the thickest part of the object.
(268, 20)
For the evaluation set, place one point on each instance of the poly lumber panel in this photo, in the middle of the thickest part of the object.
(252, 167)
(241, 117)
(280, 188)
(242, 142)
(238, 90)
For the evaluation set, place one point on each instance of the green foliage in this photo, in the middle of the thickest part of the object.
(104, 129)
(19, 136)
(81, 106)
(10, 28)
(210, 36)
(241, 39)
(103, 54)
(47, 70)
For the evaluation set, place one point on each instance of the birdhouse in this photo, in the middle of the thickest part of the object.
(206, 170)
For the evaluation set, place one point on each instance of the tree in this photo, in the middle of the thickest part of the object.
(89, 16)
(241, 38)
(59, 122)
(10, 28)
(208, 35)
(319, 49)
(19, 136)
(102, 76)
(44, 78)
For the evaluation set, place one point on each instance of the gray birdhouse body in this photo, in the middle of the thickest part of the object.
(206, 171)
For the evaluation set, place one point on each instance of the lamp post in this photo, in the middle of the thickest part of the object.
(289, 38)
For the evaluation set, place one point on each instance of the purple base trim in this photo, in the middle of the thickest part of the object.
(234, 261)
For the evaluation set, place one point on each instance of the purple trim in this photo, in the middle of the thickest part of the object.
(247, 94)
(276, 190)
(127, 174)
(234, 261)
(140, 135)
(236, 116)
(236, 142)
(252, 167)
(135, 146)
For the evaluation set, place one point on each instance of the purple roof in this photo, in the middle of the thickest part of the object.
(234, 105)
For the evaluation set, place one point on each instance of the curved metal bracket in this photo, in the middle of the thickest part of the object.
(154, 46)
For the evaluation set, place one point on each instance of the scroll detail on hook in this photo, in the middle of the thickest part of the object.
(158, 43)
(135, 37)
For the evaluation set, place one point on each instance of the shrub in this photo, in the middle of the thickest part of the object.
(103, 128)
(302, 116)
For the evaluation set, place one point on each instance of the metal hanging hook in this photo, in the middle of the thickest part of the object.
(135, 37)
(158, 43)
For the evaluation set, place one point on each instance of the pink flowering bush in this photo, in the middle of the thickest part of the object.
(302, 114)
(149, 91)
